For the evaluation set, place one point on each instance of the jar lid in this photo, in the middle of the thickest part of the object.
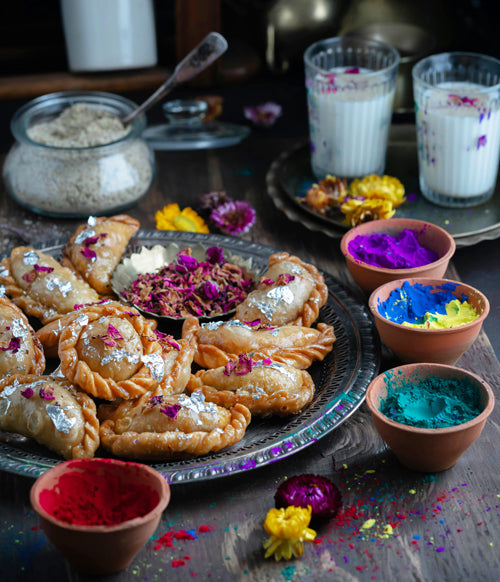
(186, 129)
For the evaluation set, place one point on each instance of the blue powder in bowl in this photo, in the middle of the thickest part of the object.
(410, 303)
(430, 402)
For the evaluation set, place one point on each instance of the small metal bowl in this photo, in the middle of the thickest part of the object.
(150, 260)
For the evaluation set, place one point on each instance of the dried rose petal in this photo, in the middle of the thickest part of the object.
(154, 401)
(171, 411)
(47, 393)
(27, 393)
(320, 493)
(88, 253)
(215, 255)
(13, 345)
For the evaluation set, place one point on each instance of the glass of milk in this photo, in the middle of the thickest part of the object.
(350, 84)
(457, 112)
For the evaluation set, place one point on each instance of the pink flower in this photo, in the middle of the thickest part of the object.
(319, 492)
(264, 115)
(234, 217)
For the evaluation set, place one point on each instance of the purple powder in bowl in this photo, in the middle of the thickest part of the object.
(391, 252)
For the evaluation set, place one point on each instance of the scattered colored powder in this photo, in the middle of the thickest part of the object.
(91, 496)
(410, 303)
(429, 402)
(391, 252)
(457, 314)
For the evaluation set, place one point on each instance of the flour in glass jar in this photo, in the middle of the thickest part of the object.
(82, 162)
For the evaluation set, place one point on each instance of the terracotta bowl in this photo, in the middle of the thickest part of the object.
(444, 346)
(100, 549)
(426, 449)
(429, 236)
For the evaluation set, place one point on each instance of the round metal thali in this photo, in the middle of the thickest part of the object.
(341, 380)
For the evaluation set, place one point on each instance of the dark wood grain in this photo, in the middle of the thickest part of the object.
(446, 525)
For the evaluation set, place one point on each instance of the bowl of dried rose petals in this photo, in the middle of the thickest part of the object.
(170, 282)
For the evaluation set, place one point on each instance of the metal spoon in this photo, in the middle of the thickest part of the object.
(203, 55)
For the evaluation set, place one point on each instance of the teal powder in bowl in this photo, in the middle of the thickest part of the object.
(430, 402)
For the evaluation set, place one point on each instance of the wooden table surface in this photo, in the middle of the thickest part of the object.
(446, 525)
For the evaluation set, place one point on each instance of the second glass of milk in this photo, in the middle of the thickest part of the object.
(350, 85)
(457, 108)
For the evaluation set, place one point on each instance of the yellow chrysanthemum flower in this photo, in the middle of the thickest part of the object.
(358, 211)
(288, 531)
(172, 218)
(380, 187)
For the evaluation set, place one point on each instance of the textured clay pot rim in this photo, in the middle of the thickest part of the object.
(409, 223)
(433, 431)
(372, 304)
(164, 498)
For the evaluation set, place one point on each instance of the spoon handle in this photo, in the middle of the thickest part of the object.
(202, 56)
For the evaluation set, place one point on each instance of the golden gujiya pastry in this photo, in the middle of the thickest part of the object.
(20, 350)
(218, 342)
(265, 387)
(96, 248)
(51, 411)
(173, 427)
(50, 333)
(41, 286)
(289, 292)
(111, 354)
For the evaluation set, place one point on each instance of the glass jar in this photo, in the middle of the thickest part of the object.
(80, 180)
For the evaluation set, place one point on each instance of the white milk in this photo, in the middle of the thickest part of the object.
(349, 126)
(459, 141)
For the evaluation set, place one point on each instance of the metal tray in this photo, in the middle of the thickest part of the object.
(341, 380)
(290, 176)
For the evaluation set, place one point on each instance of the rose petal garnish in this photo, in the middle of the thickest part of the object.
(171, 411)
(215, 255)
(47, 393)
(27, 393)
(13, 345)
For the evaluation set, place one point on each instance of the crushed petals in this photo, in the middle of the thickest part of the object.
(288, 530)
(190, 287)
(27, 393)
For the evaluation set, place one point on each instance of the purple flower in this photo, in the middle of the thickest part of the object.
(215, 255)
(210, 200)
(320, 493)
(234, 217)
(481, 141)
(263, 115)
